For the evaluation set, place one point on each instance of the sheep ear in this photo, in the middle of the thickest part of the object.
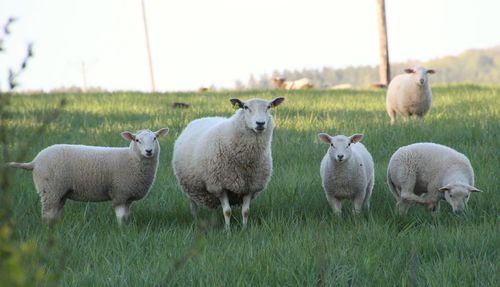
(237, 103)
(277, 101)
(431, 71)
(409, 71)
(128, 136)
(161, 132)
(445, 188)
(474, 189)
(325, 138)
(356, 138)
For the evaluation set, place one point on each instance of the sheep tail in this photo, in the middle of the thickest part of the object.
(26, 166)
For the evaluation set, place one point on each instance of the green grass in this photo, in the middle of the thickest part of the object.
(293, 238)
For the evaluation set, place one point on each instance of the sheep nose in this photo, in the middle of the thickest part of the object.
(149, 151)
(422, 81)
(340, 156)
(260, 124)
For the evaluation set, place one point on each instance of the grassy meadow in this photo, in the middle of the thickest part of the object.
(293, 238)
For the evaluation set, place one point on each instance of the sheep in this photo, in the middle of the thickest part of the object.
(347, 172)
(93, 173)
(435, 170)
(303, 83)
(409, 94)
(226, 161)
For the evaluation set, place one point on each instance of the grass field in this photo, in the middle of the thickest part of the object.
(293, 238)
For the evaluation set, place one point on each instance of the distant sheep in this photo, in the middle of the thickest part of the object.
(347, 172)
(303, 83)
(227, 161)
(409, 94)
(435, 170)
(93, 173)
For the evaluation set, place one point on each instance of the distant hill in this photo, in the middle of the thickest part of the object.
(477, 66)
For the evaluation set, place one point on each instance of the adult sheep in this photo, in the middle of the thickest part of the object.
(93, 173)
(227, 161)
(409, 94)
(435, 170)
(303, 83)
(347, 172)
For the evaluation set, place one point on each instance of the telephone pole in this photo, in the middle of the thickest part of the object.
(384, 68)
(150, 61)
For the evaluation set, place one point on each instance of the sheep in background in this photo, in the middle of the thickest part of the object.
(93, 173)
(227, 161)
(303, 83)
(435, 170)
(347, 172)
(409, 94)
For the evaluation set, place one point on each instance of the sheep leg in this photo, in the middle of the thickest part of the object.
(368, 194)
(122, 212)
(194, 209)
(403, 206)
(411, 197)
(51, 209)
(336, 205)
(226, 208)
(357, 204)
(245, 208)
(392, 115)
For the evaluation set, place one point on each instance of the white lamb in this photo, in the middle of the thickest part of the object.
(347, 172)
(435, 170)
(409, 94)
(93, 173)
(227, 161)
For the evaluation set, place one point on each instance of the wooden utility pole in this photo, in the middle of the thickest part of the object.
(384, 68)
(150, 61)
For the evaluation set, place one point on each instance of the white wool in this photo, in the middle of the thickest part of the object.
(92, 173)
(409, 94)
(433, 170)
(225, 160)
(347, 172)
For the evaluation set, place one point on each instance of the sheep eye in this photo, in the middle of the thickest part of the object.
(332, 145)
(154, 139)
(245, 107)
(136, 140)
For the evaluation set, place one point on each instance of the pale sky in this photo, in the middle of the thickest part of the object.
(197, 43)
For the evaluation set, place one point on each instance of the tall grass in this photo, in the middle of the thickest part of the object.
(293, 238)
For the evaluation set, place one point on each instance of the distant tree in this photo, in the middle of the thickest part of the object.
(238, 85)
(252, 83)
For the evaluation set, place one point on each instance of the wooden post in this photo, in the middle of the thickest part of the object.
(150, 61)
(384, 68)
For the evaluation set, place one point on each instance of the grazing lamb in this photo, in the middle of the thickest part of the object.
(347, 172)
(435, 170)
(227, 161)
(409, 94)
(303, 83)
(93, 173)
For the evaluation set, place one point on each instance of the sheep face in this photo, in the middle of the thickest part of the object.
(145, 142)
(257, 112)
(457, 195)
(420, 74)
(340, 146)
